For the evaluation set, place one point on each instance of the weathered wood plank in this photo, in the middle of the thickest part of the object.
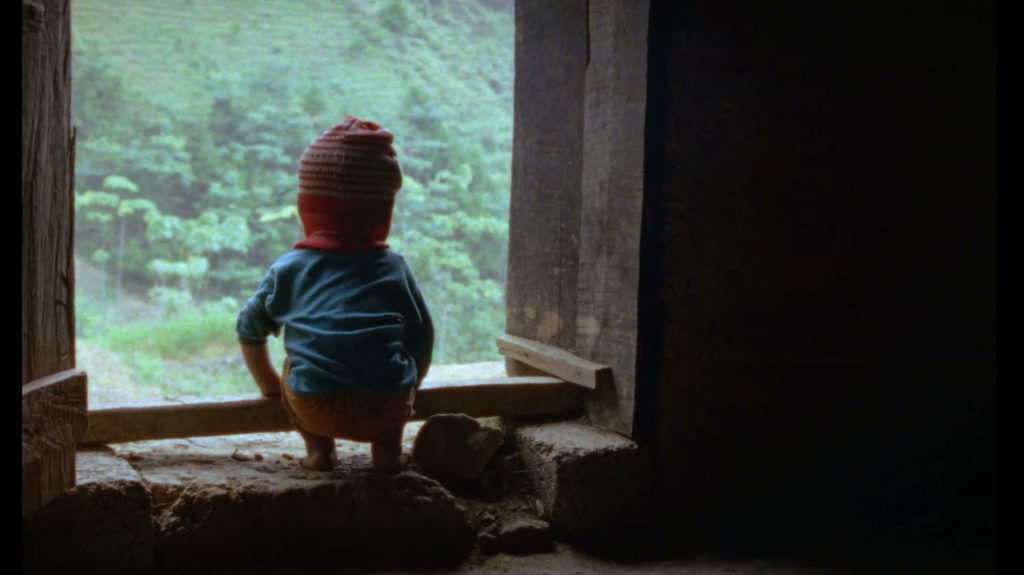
(515, 396)
(512, 397)
(47, 319)
(187, 420)
(53, 419)
(557, 362)
(612, 201)
(551, 56)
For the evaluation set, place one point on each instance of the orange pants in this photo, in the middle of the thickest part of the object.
(353, 416)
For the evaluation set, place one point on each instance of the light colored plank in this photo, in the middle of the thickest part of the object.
(515, 396)
(53, 419)
(557, 362)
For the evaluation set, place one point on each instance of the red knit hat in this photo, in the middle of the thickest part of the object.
(348, 178)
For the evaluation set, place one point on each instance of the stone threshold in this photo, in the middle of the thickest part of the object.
(195, 505)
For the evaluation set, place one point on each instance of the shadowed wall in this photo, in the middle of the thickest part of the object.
(817, 349)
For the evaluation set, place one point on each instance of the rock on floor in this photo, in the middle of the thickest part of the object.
(454, 446)
(525, 535)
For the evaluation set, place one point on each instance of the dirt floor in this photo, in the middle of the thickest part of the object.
(566, 560)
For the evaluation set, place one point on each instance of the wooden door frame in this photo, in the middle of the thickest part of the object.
(578, 180)
(575, 216)
(54, 402)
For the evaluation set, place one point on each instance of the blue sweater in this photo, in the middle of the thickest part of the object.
(352, 321)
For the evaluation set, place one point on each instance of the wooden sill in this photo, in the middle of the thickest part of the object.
(509, 396)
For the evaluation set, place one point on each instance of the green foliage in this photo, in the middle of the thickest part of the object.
(190, 124)
(173, 301)
(185, 336)
(183, 355)
(90, 316)
(395, 17)
(121, 184)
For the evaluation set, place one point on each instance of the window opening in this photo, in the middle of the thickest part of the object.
(190, 119)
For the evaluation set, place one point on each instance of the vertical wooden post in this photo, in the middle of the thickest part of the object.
(612, 198)
(551, 58)
(53, 410)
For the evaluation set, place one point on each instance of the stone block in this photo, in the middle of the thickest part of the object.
(102, 525)
(593, 483)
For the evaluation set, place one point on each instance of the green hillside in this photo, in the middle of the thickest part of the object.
(365, 56)
(191, 116)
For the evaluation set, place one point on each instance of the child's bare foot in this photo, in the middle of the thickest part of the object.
(322, 452)
(319, 461)
(390, 465)
(386, 451)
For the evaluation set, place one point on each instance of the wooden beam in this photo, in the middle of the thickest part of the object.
(611, 213)
(53, 419)
(510, 396)
(557, 362)
(513, 396)
(186, 420)
(47, 191)
(547, 155)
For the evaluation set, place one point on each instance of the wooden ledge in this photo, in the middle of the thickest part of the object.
(555, 361)
(509, 396)
(53, 419)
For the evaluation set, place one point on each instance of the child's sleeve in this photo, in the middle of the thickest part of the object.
(255, 323)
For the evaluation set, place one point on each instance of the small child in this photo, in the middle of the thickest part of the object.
(357, 332)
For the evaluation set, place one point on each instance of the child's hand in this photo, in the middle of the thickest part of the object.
(257, 359)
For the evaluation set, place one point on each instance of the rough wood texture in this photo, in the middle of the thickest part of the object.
(47, 159)
(513, 396)
(53, 419)
(189, 420)
(557, 362)
(53, 406)
(610, 219)
(551, 54)
(516, 396)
